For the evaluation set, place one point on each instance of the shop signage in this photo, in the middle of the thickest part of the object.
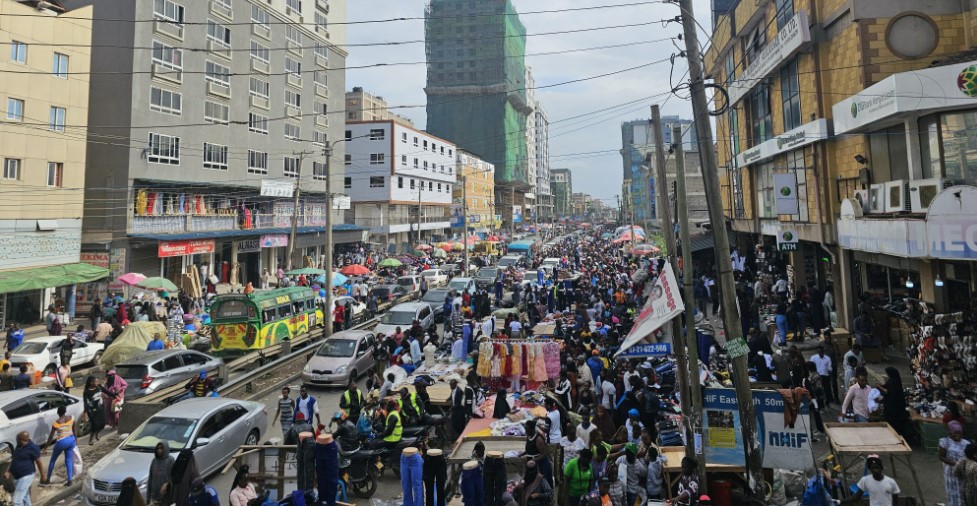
(951, 224)
(789, 40)
(785, 188)
(916, 92)
(664, 303)
(96, 258)
(341, 202)
(249, 246)
(779, 444)
(787, 240)
(184, 248)
(803, 135)
(117, 267)
(647, 350)
(272, 188)
(902, 238)
(517, 214)
(737, 347)
(274, 240)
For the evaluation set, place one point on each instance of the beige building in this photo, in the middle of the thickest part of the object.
(478, 179)
(44, 82)
(365, 106)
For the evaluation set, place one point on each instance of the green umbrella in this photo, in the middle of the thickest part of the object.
(391, 262)
(157, 283)
(307, 271)
(439, 253)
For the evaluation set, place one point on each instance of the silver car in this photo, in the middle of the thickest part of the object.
(150, 371)
(212, 427)
(403, 316)
(341, 358)
(32, 410)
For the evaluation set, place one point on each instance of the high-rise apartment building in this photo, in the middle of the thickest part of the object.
(561, 185)
(362, 105)
(529, 131)
(45, 88)
(544, 195)
(205, 117)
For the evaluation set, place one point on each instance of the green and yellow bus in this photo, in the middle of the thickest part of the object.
(243, 323)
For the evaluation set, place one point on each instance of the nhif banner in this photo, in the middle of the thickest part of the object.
(782, 446)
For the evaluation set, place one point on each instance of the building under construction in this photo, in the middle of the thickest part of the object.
(476, 85)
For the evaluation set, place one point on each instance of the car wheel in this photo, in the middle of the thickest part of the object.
(252, 439)
(49, 370)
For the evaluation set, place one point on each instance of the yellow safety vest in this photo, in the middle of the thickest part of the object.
(395, 436)
(359, 398)
(413, 403)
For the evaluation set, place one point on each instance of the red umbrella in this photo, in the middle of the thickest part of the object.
(423, 247)
(354, 270)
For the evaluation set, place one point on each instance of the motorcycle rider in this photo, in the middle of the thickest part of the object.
(345, 431)
(412, 406)
(394, 427)
(352, 400)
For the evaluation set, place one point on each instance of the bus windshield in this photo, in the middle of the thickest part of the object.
(232, 309)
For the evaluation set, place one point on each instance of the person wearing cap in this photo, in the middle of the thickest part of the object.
(633, 426)
(881, 489)
(202, 494)
(596, 366)
(630, 473)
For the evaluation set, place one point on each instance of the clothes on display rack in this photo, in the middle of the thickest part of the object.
(494, 480)
(536, 361)
(472, 486)
(435, 478)
(412, 477)
(327, 469)
(305, 462)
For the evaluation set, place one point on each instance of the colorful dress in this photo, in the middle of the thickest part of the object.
(954, 485)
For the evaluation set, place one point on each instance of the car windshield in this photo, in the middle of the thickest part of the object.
(382, 292)
(337, 348)
(30, 348)
(176, 431)
(398, 318)
(434, 296)
(457, 284)
(405, 281)
(488, 272)
(505, 262)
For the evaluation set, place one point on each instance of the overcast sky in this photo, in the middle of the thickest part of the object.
(585, 117)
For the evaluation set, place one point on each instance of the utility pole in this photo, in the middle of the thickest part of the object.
(295, 209)
(678, 338)
(327, 151)
(731, 313)
(695, 389)
(464, 220)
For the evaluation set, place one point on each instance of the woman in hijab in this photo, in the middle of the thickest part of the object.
(183, 473)
(602, 420)
(94, 410)
(112, 396)
(501, 405)
(130, 495)
(533, 490)
(894, 405)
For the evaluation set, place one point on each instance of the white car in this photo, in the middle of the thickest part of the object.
(410, 283)
(530, 279)
(44, 354)
(435, 277)
(358, 307)
(32, 410)
(550, 262)
(462, 285)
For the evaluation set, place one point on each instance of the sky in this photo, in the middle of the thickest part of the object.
(585, 117)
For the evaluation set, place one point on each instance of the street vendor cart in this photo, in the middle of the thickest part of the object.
(850, 442)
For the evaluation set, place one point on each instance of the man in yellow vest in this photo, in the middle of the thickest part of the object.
(352, 401)
(412, 407)
(394, 429)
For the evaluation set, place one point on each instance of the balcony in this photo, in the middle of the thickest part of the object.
(295, 80)
(322, 31)
(181, 224)
(260, 66)
(260, 102)
(221, 10)
(218, 89)
(321, 62)
(167, 74)
(294, 48)
(321, 90)
(399, 224)
(169, 29)
(322, 5)
(261, 31)
(293, 14)
(216, 48)
(321, 120)
(293, 112)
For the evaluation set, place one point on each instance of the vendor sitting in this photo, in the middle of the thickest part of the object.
(864, 329)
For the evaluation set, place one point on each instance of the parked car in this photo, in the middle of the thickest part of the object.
(486, 277)
(435, 277)
(515, 260)
(529, 280)
(214, 427)
(549, 263)
(388, 293)
(435, 299)
(358, 307)
(403, 316)
(340, 359)
(32, 410)
(410, 283)
(44, 354)
(462, 285)
(150, 371)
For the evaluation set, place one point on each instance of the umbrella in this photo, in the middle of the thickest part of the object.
(406, 260)
(307, 271)
(419, 253)
(423, 247)
(445, 246)
(645, 249)
(355, 270)
(439, 253)
(131, 278)
(457, 246)
(157, 283)
(338, 279)
(390, 262)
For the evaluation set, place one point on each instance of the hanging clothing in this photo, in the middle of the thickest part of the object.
(435, 479)
(793, 398)
(472, 487)
(305, 464)
(327, 471)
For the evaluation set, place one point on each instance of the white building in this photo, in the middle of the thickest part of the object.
(531, 147)
(393, 172)
(544, 196)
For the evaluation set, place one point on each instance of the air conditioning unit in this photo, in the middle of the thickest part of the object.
(861, 197)
(896, 196)
(876, 199)
(922, 191)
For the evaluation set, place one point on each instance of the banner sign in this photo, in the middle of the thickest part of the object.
(184, 248)
(780, 444)
(664, 303)
(517, 214)
(249, 246)
(785, 186)
(274, 240)
(271, 188)
(791, 37)
(787, 240)
(647, 350)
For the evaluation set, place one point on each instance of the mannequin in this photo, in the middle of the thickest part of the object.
(305, 461)
(429, 351)
(327, 468)
(412, 476)
(435, 477)
(494, 477)
(472, 488)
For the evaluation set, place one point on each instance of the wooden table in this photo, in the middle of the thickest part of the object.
(857, 439)
(673, 467)
(440, 391)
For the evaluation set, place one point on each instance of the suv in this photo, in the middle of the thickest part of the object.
(514, 260)
(486, 277)
(410, 283)
(403, 316)
(151, 371)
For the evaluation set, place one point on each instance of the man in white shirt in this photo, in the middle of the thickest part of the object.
(822, 363)
(585, 428)
(515, 329)
(881, 489)
(780, 288)
(553, 414)
(608, 399)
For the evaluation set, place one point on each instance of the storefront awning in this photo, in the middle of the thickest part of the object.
(51, 276)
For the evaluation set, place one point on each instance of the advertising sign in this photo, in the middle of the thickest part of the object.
(664, 303)
(789, 40)
(951, 224)
(647, 350)
(785, 190)
(272, 188)
(803, 135)
(96, 258)
(517, 214)
(184, 248)
(273, 240)
(249, 246)
(787, 240)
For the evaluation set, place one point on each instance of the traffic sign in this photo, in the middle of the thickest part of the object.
(647, 350)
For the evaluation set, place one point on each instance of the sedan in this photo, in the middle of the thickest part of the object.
(388, 293)
(435, 277)
(357, 307)
(212, 427)
(150, 371)
(341, 358)
(44, 354)
(34, 411)
(435, 299)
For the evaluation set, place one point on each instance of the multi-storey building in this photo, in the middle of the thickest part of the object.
(561, 185)
(400, 181)
(544, 196)
(893, 82)
(44, 82)
(477, 178)
(205, 117)
(364, 106)
(638, 186)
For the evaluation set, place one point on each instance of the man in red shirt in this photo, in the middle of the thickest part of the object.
(338, 314)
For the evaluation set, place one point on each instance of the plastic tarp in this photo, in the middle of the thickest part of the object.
(46, 277)
(133, 341)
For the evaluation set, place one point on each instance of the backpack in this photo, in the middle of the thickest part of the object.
(816, 494)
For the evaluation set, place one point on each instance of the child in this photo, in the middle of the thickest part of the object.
(656, 464)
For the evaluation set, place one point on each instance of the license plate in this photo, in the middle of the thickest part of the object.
(105, 498)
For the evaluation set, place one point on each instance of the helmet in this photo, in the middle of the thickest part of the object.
(339, 415)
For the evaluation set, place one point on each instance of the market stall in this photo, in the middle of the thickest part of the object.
(673, 467)
(441, 373)
(851, 441)
(512, 363)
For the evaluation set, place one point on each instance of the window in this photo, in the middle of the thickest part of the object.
(165, 101)
(957, 137)
(322, 51)
(791, 95)
(218, 73)
(795, 162)
(377, 158)
(57, 119)
(760, 116)
(257, 162)
(764, 185)
(450, 152)
(18, 51)
(415, 163)
(319, 170)
(293, 98)
(756, 41)
(439, 187)
(320, 107)
(320, 78)
(218, 33)
(293, 132)
(425, 164)
(15, 109)
(377, 134)
(442, 150)
(291, 166)
(349, 135)
(259, 88)
(425, 145)
(215, 156)
(413, 184)
(319, 138)
(730, 67)
(400, 183)
(348, 159)
(347, 182)
(376, 181)
(167, 56)
(785, 11)
(403, 160)
(168, 10)
(403, 137)
(260, 16)
(295, 5)
(320, 20)
(11, 168)
(257, 123)
(293, 66)
(216, 112)
(260, 52)
(415, 141)
(430, 186)
(55, 174)
(225, 3)
(164, 149)
(293, 35)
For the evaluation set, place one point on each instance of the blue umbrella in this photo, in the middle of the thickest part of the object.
(339, 279)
